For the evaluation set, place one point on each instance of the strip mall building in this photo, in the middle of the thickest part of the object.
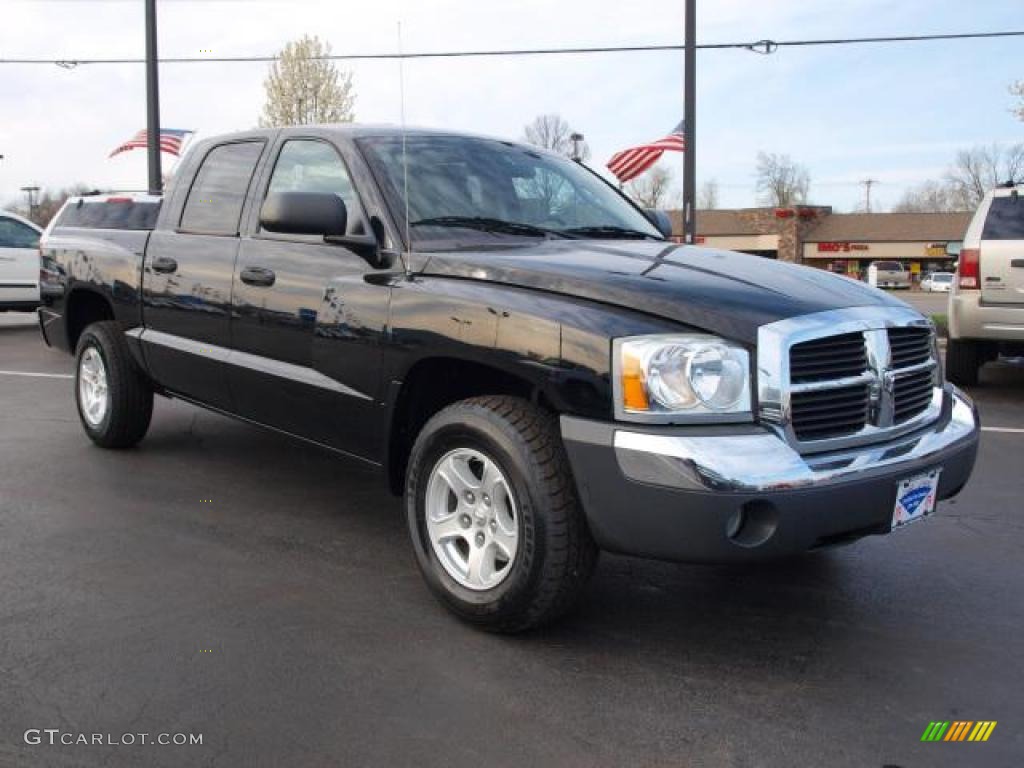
(839, 242)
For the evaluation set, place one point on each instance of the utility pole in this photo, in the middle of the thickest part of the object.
(30, 192)
(868, 183)
(690, 126)
(152, 102)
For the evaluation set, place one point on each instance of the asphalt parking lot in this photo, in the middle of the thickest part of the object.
(223, 580)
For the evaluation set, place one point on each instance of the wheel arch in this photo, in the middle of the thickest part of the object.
(433, 383)
(83, 307)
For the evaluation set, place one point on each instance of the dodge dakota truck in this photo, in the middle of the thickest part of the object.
(516, 347)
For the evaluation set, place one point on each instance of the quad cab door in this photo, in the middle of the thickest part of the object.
(307, 315)
(187, 275)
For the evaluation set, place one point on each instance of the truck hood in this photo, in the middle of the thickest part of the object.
(730, 294)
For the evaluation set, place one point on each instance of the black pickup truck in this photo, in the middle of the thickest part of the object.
(519, 349)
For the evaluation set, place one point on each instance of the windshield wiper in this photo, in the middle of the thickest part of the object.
(609, 230)
(485, 224)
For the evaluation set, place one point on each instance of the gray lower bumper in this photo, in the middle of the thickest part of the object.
(728, 493)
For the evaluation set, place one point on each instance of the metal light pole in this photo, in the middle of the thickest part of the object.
(690, 126)
(152, 102)
(30, 192)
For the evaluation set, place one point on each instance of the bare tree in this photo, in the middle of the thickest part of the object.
(554, 132)
(707, 197)
(303, 87)
(977, 170)
(652, 188)
(49, 202)
(780, 181)
(1017, 89)
(928, 197)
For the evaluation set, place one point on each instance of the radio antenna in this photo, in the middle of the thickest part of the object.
(405, 158)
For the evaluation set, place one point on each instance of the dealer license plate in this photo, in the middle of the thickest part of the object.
(915, 498)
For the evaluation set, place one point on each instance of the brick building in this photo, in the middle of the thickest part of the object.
(838, 242)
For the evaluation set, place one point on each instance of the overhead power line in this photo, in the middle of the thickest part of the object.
(758, 46)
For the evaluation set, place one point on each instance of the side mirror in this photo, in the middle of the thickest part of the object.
(660, 220)
(304, 213)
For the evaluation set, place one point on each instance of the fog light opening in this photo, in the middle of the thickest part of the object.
(752, 524)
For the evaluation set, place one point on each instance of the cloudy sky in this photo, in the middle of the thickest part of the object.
(896, 113)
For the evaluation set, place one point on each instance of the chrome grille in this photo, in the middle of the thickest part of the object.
(840, 378)
(910, 346)
(830, 358)
(829, 412)
(912, 393)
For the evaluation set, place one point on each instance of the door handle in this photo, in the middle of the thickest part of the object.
(1019, 263)
(258, 276)
(164, 264)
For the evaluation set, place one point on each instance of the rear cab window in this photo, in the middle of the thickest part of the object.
(1005, 219)
(215, 201)
(113, 213)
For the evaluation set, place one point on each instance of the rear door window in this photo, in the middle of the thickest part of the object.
(214, 204)
(1005, 219)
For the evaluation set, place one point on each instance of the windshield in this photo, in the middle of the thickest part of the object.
(471, 191)
(942, 277)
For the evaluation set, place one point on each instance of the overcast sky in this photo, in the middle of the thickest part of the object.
(896, 113)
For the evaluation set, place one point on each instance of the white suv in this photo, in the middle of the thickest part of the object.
(986, 305)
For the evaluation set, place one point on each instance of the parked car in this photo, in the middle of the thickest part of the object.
(986, 305)
(937, 281)
(19, 263)
(888, 274)
(517, 348)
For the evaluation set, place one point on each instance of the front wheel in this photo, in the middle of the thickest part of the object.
(115, 400)
(492, 511)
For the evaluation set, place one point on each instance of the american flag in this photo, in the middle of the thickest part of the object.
(630, 163)
(171, 140)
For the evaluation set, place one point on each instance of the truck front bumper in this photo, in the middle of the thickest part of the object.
(721, 494)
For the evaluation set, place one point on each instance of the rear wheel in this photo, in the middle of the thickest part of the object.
(498, 532)
(115, 400)
(962, 361)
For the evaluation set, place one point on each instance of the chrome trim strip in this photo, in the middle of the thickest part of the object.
(821, 386)
(297, 373)
(774, 341)
(765, 462)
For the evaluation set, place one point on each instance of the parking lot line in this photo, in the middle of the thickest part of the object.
(1009, 430)
(38, 375)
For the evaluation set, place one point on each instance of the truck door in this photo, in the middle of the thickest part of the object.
(306, 322)
(187, 278)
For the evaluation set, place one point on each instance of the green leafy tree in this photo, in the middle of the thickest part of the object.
(304, 87)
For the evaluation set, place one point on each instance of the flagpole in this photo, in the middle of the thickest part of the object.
(152, 102)
(690, 126)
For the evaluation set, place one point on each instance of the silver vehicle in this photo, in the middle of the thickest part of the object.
(888, 274)
(939, 282)
(19, 263)
(986, 305)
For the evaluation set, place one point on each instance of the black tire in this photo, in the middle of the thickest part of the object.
(556, 554)
(962, 362)
(130, 395)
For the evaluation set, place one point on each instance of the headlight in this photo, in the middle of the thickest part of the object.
(681, 378)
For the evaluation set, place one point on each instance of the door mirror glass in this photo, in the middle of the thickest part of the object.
(304, 213)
